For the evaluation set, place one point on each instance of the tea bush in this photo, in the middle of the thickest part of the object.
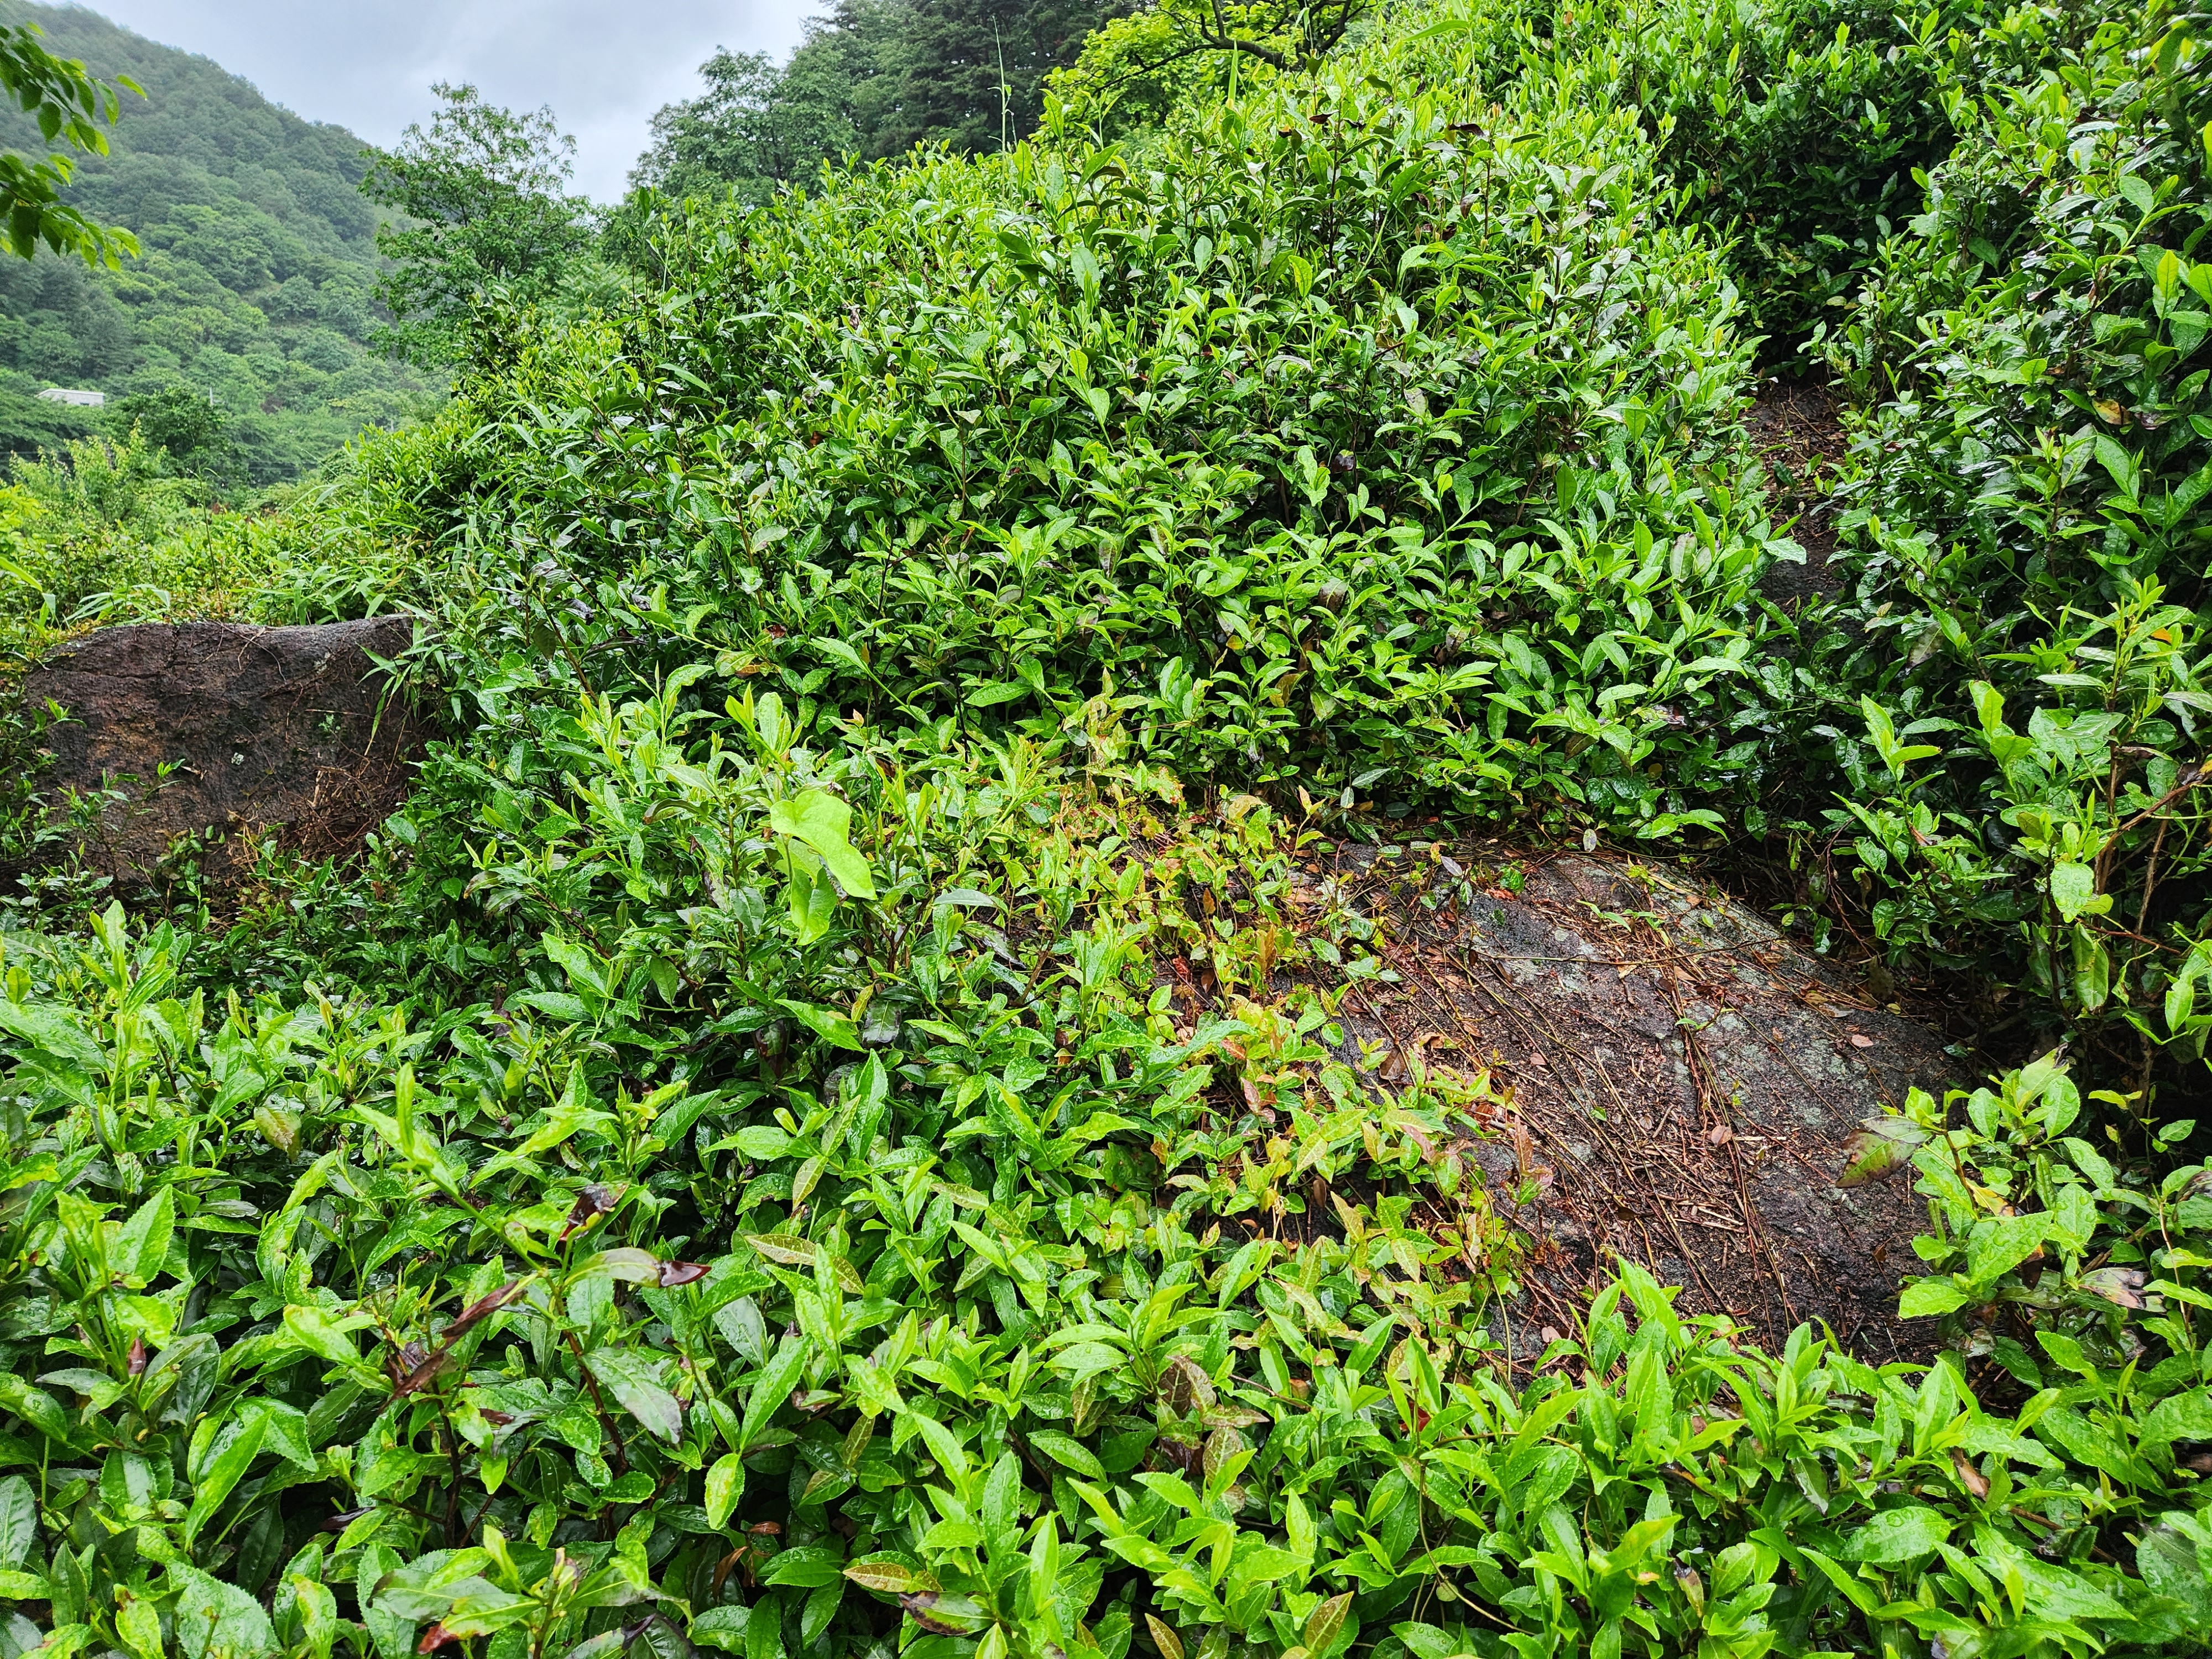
(1347, 442)
(1381, 444)
(652, 1302)
(731, 1166)
(2026, 546)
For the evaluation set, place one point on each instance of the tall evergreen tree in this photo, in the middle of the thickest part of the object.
(974, 73)
(873, 79)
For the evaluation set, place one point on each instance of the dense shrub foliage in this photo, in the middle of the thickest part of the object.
(732, 1166)
(1355, 442)
(2029, 549)
(1349, 448)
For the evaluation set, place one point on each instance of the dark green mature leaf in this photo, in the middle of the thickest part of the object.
(19, 1520)
(772, 1387)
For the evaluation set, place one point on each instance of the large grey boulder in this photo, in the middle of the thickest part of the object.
(1679, 1084)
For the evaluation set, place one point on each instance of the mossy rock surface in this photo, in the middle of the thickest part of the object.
(216, 734)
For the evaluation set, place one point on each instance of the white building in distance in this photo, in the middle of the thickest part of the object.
(62, 394)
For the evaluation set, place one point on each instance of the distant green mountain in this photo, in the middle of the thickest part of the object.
(256, 283)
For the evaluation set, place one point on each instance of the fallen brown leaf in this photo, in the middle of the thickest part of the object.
(1970, 1477)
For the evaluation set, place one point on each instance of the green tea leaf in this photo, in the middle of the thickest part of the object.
(216, 1618)
(49, 1031)
(634, 1379)
(808, 1566)
(822, 821)
(772, 1387)
(1067, 1452)
(887, 1574)
(1327, 1625)
(313, 1331)
(141, 1243)
(830, 1024)
(1925, 1297)
(725, 1484)
(1898, 1535)
(723, 1627)
(19, 1520)
(232, 1452)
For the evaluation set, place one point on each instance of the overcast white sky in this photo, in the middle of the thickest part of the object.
(604, 65)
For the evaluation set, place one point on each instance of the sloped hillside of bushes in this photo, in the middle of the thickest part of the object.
(723, 1168)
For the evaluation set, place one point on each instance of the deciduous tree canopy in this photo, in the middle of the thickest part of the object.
(483, 192)
(70, 107)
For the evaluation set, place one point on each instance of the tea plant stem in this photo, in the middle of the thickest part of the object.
(614, 1434)
(2194, 777)
(2150, 876)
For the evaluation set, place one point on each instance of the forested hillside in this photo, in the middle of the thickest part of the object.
(255, 285)
(832, 1122)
